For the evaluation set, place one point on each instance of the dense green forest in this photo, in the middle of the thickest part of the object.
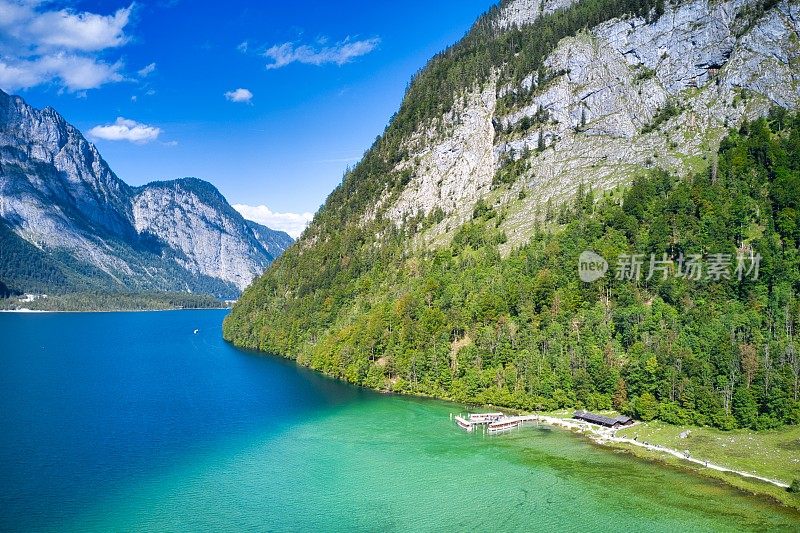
(463, 322)
(24, 265)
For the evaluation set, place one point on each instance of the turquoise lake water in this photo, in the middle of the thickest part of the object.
(131, 422)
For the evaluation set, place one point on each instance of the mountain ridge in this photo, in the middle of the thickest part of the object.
(445, 262)
(60, 196)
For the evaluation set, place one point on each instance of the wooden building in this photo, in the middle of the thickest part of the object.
(600, 420)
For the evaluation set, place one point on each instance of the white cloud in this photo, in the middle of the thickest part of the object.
(74, 72)
(243, 47)
(39, 46)
(19, 76)
(291, 223)
(339, 53)
(88, 32)
(242, 96)
(146, 71)
(126, 130)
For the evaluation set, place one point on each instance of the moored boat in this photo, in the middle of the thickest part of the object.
(463, 423)
(504, 424)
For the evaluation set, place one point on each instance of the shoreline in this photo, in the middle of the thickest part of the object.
(750, 483)
(745, 481)
(603, 440)
(606, 437)
(37, 311)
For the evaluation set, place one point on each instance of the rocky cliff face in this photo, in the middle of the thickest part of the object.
(80, 179)
(57, 193)
(209, 236)
(521, 12)
(628, 94)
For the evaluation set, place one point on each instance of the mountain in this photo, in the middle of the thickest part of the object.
(207, 236)
(68, 223)
(446, 262)
(274, 242)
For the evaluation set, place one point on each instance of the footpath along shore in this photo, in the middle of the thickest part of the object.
(607, 435)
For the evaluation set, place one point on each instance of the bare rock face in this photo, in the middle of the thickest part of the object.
(29, 137)
(682, 46)
(767, 58)
(521, 12)
(456, 170)
(602, 116)
(57, 193)
(54, 186)
(194, 219)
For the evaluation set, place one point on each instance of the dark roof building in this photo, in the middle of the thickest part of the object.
(603, 420)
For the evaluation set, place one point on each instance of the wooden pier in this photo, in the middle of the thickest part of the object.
(495, 422)
(469, 422)
(485, 418)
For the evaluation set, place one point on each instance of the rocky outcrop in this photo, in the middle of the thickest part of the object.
(456, 170)
(55, 189)
(767, 58)
(83, 181)
(627, 95)
(57, 193)
(521, 12)
(684, 46)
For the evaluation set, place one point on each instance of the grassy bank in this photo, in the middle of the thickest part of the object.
(774, 453)
(749, 486)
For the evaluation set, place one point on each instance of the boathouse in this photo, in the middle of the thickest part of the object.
(617, 422)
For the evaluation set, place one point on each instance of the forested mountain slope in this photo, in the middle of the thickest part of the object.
(446, 262)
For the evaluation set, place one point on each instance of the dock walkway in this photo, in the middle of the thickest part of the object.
(494, 422)
(472, 420)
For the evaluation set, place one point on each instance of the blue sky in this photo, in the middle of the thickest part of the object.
(270, 101)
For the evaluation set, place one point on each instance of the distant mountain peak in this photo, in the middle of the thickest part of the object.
(58, 193)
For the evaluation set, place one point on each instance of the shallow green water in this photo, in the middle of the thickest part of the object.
(399, 464)
(188, 433)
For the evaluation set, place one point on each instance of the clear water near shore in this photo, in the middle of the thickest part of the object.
(132, 422)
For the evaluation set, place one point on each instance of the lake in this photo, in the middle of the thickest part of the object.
(132, 421)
